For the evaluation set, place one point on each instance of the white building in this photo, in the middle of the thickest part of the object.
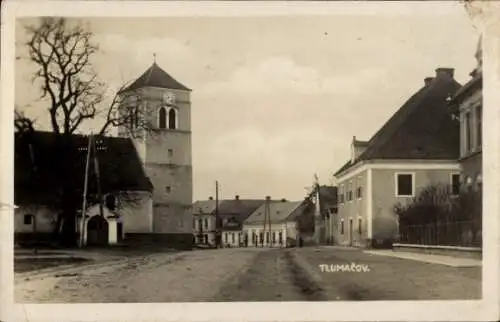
(280, 231)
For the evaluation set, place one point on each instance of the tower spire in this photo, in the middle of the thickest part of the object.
(154, 58)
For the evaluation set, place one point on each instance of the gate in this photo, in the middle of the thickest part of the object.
(97, 231)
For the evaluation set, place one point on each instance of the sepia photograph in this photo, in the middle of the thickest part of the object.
(188, 158)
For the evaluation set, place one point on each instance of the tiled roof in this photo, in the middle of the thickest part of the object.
(204, 207)
(280, 211)
(154, 76)
(236, 211)
(38, 176)
(421, 129)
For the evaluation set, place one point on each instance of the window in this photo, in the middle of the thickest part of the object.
(468, 132)
(267, 237)
(168, 189)
(110, 202)
(261, 237)
(479, 181)
(134, 118)
(28, 219)
(479, 125)
(170, 153)
(404, 185)
(172, 119)
(232, 238)
(360, 226)
(342, 227)
(194, 223)
(274, 237)
(280, 237)
(206, 223)
(359, 189)
(162, 118)
(200, 224)
(225, 237)
(455, 184)
(206, 239)
(341, 194)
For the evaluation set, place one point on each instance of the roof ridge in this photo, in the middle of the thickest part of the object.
(150, 69)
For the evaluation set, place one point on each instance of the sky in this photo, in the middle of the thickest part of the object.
(275, 99)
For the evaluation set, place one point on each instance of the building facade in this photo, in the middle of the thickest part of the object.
(416, 148)
(469, 100)
(276, 226)
(327, 208)
(160, 124)
(233, 214)
(204, 222)
(126, 190)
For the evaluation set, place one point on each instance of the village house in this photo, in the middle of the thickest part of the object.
(274, 223)
(417, 147)
(126, 190)
(469, 100)
(233, 214)
(164, 145)
(204, 222)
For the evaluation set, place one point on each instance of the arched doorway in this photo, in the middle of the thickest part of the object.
(97, 231)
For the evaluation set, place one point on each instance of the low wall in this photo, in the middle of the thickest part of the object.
(175, 241)
(456, 251)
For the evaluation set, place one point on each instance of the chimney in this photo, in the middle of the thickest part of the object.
(445, 72)
(210, 198)
(237, 197)
(428, 80)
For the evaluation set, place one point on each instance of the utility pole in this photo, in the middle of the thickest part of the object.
(85, 187)
(267, 221)
(218, 223)
(98, 176)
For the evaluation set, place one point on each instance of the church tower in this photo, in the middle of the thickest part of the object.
(163, 140)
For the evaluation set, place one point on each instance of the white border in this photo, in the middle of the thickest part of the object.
(484, 310)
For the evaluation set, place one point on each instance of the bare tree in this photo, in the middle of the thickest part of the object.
(62, 54)
(22, 123)
(128, 111)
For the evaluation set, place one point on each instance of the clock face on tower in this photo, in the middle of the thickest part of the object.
(169, 98)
